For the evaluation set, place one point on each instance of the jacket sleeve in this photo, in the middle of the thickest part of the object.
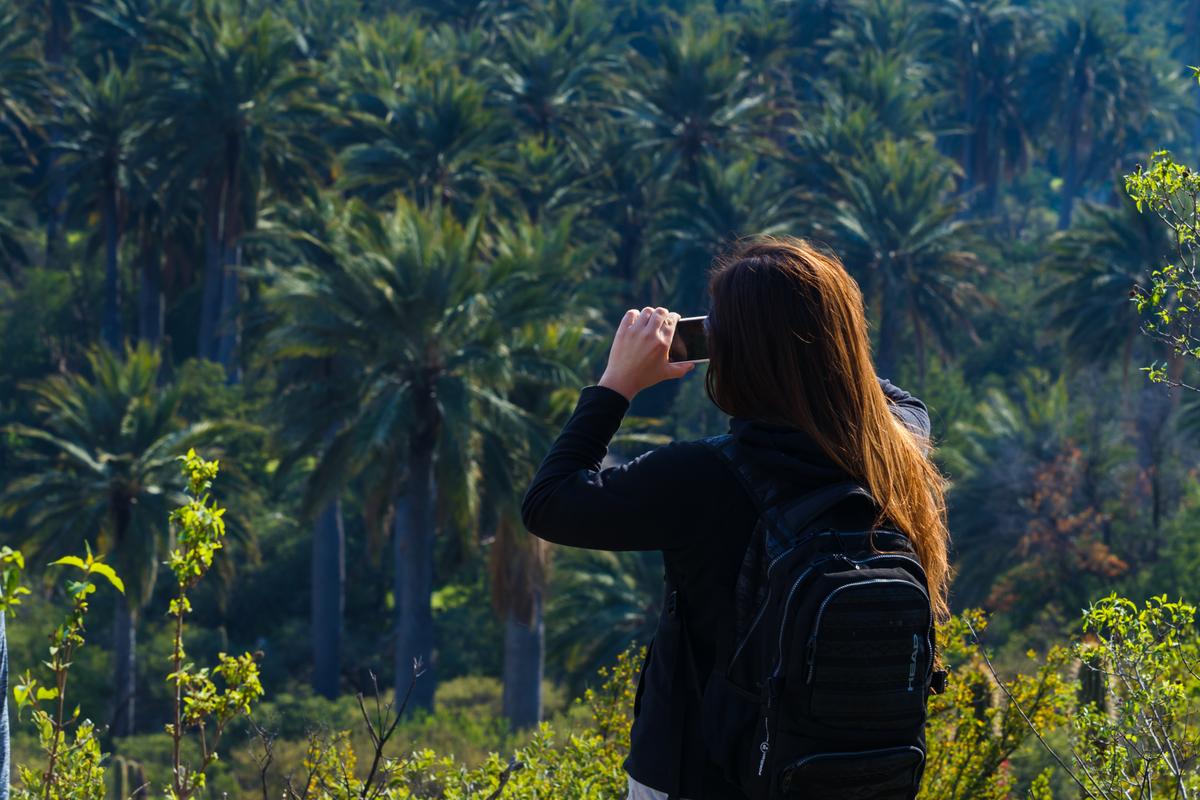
(908, 409)
(649, 503)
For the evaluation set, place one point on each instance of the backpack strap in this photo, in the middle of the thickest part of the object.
(784, 512)
(782, 515)
(685, 689)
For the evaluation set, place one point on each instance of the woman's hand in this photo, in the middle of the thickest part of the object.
(638, 358)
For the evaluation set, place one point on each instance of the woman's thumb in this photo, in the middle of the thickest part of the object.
(677, 369)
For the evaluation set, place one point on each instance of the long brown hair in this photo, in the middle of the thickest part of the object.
(788, 345)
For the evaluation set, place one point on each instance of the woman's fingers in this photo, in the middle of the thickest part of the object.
(677, 369)
(640, 351)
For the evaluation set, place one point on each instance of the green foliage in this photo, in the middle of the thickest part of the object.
(1170, 300)
(977, 726)
(78, 774)
(600, 602)
(73, 761)
(98, 467)
(12, 568)
(237, 169)
(586, 765)
(199, 704)
(1147, 658)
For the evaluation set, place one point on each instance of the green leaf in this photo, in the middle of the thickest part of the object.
(47, 692)
(109, 573)
(69, 561)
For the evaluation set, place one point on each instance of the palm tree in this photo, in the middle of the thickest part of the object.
(1008, 453)
(870, 28)
(1099, 260)
(551, 76)
(15, 219)
(116, 32)
(698, 221)
(237, 113)
(100, 467)
(543, 180)
(313, 402)
(1092, 81)
(601, 602)
(627, 192)
(518, 563)
(987, 72)
(310, 409)
(767, 39)
(432, 138)
(518, 566)
(371, 59)
(844, 123)
(425, 312)
(465, 14)
(694, 98)
(320, 25)
(59, 21)
(1097, 263)
(101, 125)
(20, 82)
(20, 87)
(898, 229)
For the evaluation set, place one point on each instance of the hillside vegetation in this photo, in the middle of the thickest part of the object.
(363, 255)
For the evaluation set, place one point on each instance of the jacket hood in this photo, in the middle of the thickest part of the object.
(786, 451)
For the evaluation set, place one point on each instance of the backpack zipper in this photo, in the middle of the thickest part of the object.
(812, 640)
(917, 564)
(788, 604)
(765, 746)
(818, 756)
(762, 608)
(909, 559)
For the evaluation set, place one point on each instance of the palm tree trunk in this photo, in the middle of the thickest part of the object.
(1153, 421)
(210, 301)
(970, 141)
(413, 579)
(227, 332)
(328, 598)
(125, 667)
(110, 326)
(524, 657)
(229, 320)
(55, 47)
(888, 354)
(1070, 187)
(150, 293)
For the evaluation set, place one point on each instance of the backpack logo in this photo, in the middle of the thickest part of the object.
(912, 663)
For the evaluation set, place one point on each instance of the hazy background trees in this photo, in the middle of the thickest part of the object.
(371, 250)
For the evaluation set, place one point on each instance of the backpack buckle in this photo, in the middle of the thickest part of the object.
(937, 683)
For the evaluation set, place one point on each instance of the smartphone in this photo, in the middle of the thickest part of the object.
(690, 342)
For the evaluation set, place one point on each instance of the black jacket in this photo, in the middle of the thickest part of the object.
(684, 500)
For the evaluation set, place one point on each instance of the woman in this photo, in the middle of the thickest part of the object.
(790, 363)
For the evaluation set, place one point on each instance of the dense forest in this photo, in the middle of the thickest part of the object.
(364, 254)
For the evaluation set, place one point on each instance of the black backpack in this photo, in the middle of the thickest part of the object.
(820, 684)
